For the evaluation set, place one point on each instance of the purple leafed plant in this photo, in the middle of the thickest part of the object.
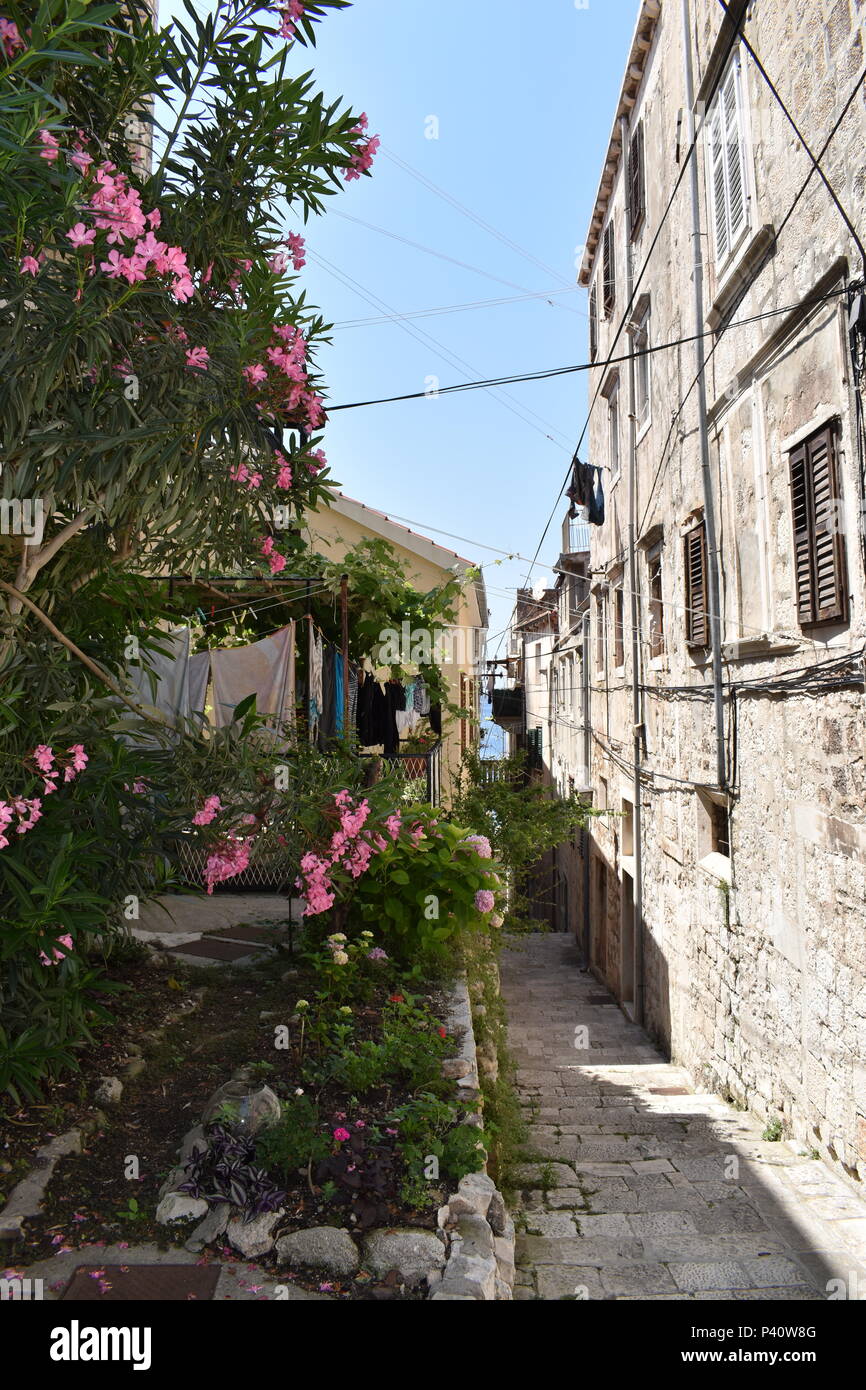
(225, 1172)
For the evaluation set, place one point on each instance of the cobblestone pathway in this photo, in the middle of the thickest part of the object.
(635, 1186)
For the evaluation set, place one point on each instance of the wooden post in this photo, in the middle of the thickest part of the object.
(344, 612)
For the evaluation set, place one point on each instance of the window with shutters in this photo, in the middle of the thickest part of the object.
(613, 430)
(608, 268)
(819, 551)
(636, 181)
(642, 369)
(656, 604)
(697, 617)
(618, 627)
(599, 633)
(726, 164)
(593, 323)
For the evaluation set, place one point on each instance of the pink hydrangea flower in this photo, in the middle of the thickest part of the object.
(484, 900)
(341, 1135)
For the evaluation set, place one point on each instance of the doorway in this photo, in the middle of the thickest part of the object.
(626, 972)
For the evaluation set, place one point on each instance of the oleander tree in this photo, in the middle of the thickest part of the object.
(160, 411)
(155, 342)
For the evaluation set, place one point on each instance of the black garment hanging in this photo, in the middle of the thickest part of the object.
(595, 506)
(328, 717)
(436, 719)
(396, 700)
(372, 718)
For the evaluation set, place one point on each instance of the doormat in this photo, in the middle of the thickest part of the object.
(599, 999)
(142, 1284)
(213, 949)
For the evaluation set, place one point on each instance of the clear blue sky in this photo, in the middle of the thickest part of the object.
(524, 95)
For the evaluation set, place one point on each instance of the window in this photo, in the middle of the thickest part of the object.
(618, 624)
(719, 831)
(636, 181)
(534, 747)
(819, 552)
(656, 604)
(593, 323)
(642, 369)
(726, 164)
(697, 617)
(627, 840)
(613, 430)
(599, 633)
(713, 824)
(608, 270)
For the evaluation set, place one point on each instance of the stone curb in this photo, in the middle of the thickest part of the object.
(475, 1222)
(25, 1199)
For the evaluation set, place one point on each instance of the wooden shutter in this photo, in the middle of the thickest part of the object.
(819, 554)
(734, 162)
(716, 155)
(636, 182)
(609, 269)
(593, 322)
(697, 618)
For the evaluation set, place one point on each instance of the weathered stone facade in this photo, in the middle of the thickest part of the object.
(753, 890)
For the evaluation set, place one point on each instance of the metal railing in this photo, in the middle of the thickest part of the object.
(419, 774)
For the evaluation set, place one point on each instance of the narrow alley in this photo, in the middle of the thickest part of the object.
(639, 1188)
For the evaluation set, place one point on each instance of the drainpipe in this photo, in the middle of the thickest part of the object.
(714, 613)
(636, 702)
(587, 751)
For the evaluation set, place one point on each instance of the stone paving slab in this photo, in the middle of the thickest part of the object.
(637, 1187)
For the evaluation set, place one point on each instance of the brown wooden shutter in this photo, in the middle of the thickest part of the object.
(636, 183)
(819, 553)
(697, 618)
(609, 269)
(593, 323)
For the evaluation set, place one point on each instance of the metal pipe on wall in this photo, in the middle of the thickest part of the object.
(713, 590)
(636, 697)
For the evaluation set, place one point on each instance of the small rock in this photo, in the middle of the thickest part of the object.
(477, 1189)
(472, 1275)
(455, 1067)
(413, 1253)
(135, 1067)
(325, 1248)
(497, 1214)
(474, 1235)
(109, 1091)
(254, 1237)
(289, 974)
(180, 1206)
(213, 1225)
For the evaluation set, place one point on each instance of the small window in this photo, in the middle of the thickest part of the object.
(627, 840)
(719, 831)
(593, 323)
(726, 164)
(819, 550)
(599, 633)
(619, 623)
(656, 605)
(608, 270)
(697, 616)
(613, 432)
(642, 369)
(713, 824)
(636, 181)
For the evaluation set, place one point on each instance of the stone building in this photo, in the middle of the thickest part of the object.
(724, 901)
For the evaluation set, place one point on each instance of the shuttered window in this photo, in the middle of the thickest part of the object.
(819, 552)
(593, 323)
(726, 156)
(609, 270)
(636, 181)
(697, 617)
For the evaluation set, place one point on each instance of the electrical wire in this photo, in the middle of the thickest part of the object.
(467, 212)
(450, 309)
(428, 340)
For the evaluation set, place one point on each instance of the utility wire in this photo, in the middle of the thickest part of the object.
(451, 309)
(545, 374)
(467, 212)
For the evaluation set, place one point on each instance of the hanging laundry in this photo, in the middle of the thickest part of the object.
(315, 699)
(339, 696)
(199, 675)
(421, 699)
(265, 669)
(595, 507)
(328, 714)
(407, 720)
(353, 697)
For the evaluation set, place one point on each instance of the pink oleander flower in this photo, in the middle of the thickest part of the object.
(360, 1124)
(79, 760)
(10, 37)
(362, 157)
(341, 1135)
(320, 461)
(278, 264)
(255, 373)
(80, 236)
(29, 266)
(43, 756)
(297, 247)
(81, 160)
(393, 825)
(208, 811)
(484, 900)
(197, 357)
(183, 289)
(290, 13)
(206, 277)
(226, 860)
(50, 146)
